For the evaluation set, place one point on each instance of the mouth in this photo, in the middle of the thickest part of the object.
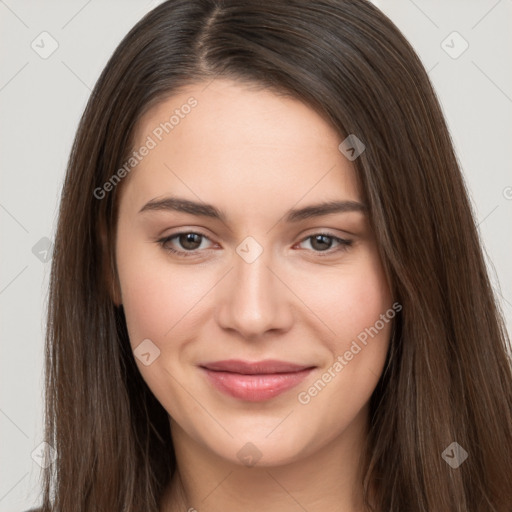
(255, 381)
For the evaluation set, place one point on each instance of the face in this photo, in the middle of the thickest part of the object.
(254, 318)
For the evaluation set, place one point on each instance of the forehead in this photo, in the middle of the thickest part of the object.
(225, 139)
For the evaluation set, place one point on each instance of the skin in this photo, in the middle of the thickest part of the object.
(254, 155)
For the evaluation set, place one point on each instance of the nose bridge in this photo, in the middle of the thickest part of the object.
(253, 300)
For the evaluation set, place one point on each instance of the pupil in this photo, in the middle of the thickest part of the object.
(190, 241)
(322, 239)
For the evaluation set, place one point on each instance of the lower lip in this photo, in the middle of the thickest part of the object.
(255, 388)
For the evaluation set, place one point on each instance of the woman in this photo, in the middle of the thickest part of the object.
(267, 287)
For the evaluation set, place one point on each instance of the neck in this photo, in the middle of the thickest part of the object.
(328, 479)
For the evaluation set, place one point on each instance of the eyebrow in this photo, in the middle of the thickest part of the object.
(294, 215)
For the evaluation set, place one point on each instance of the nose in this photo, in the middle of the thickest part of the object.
(253, 299)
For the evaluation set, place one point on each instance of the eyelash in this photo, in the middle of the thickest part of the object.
(344, 244)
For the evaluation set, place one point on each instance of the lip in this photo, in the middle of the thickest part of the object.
(255, 381)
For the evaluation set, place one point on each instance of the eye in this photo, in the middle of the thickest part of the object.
(190, 241)
(323, 242)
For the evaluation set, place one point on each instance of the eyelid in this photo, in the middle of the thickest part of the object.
(166, 239)
(343, 243)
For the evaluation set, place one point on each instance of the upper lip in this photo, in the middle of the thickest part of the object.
(255, 368)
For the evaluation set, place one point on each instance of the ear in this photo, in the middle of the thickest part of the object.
(110, 277)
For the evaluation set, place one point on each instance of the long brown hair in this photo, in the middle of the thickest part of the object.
(447, 378)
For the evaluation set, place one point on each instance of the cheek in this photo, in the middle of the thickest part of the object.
(157, 301)
(357, 348)
(358, 308)
(368, 321)
(365, 298)
(153, 296)
(349, 299)
(145, 306)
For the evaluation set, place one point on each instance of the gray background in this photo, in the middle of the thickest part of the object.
(41, 100)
